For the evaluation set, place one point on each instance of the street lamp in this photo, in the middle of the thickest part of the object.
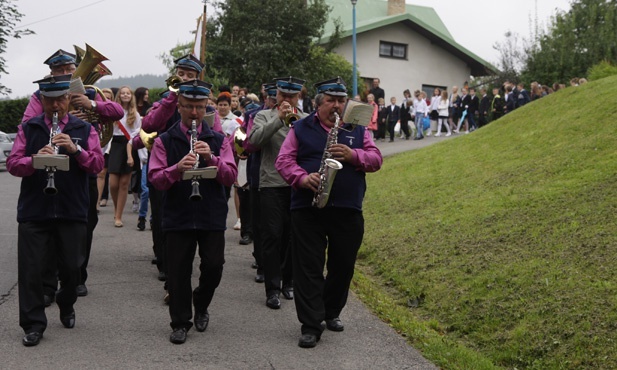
(353, 44)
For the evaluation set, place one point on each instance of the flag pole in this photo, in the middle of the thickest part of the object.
(202, 47)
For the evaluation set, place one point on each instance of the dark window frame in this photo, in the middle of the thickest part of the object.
(391, 54)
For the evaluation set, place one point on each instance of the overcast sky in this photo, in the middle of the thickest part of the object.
(132, 33)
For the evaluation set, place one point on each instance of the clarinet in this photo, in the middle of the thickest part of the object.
(195, 195)
(50, 188)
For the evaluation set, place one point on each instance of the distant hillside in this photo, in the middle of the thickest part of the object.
(148, 81)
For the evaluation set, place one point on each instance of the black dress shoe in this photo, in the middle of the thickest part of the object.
(202, 320)
(154, 261)
(273, 302)
(141, 223)
(335, 324)
(82, 291)
(254, 265)
(178, 336)
(162, 276)
(259, 277)
(308, 340)
(68, 319)
(288, 292)
(246, 240)
(32, 339)
(49, 299)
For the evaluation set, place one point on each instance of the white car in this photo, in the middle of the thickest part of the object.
(6, 144)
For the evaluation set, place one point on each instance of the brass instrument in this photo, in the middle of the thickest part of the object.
(147, 139)
(90, 70)
(172, 81)
(195, 195)
(239, 138)
(328, 168)
(50, 188)
(291, 117)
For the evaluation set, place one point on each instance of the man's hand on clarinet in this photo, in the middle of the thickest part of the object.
(311, 181)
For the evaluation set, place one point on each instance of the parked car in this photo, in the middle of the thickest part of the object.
(12, 135)
(6, 144)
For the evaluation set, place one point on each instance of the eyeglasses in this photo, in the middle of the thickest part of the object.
(189, 107)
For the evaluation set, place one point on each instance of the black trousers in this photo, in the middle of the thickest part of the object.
(256, 215)
(276, 237)
(68, 239)
(337, 232)
(246, 228)
(405, 128)
(391, 130)
(93, 220)
(50, 270)
(158, 235)
(181, 247)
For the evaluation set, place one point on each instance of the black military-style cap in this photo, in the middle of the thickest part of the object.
(335, 87)
(289, 85)
(189, 61)
(194, 89)
(54, 86)
(60, 58)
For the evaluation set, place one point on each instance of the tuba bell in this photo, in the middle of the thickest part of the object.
(89, 71)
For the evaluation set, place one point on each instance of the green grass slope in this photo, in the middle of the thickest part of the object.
(498, 249)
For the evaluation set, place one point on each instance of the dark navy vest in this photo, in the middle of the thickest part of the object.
(179, 212)
(71, 202)
(349, 184)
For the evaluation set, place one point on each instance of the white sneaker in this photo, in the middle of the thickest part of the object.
(428, 133)
(455, 131)
(437, 134)
(466, 132)
(448, 134)
(238, 225)
(135, 208)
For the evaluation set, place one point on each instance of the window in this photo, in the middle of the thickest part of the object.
(392, 50)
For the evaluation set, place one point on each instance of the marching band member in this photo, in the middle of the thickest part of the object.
(62, 63)
(268, 132)
(59, 221)
(339, 226)
(188, 223)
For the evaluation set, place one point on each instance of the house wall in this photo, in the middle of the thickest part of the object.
(426, 64)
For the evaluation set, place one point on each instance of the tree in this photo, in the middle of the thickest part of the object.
(253, 41)
(9, 17)
(574, 42)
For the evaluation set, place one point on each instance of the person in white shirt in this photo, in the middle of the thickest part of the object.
(420, 110)
(443, 113)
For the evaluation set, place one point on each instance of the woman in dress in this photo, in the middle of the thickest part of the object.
(120, 157)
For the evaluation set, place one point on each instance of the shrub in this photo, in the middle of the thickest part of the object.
(601, 70)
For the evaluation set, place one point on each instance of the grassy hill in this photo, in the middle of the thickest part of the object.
(498, 249)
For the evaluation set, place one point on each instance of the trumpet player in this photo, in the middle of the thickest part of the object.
(338, 227)
(52, 222)
(268, 132)
(188, 224)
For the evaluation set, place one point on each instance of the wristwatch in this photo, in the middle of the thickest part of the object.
(94, 105)
(78, 151)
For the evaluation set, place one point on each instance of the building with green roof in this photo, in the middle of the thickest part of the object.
(405, 46)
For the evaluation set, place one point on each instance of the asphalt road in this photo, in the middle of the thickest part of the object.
(123, 323)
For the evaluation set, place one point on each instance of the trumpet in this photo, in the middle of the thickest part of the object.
(195, 195)
(172, 81)
(291, 117)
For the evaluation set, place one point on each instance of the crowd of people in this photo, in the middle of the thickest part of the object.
(267, 152)
(448, 111)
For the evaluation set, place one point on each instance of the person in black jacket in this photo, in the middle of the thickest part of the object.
(484, 108)
(497, 105)
(405, 114)
(394, 115)
(382, 116)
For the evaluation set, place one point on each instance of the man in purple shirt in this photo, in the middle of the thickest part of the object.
(61, 63)
(338, 227)
(189, 223)
(47, 221)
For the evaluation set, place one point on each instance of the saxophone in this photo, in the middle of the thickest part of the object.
(195, 195)
(328, 168)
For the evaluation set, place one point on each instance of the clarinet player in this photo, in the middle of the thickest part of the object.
(339, 226)
(189, 223)
(57, 222)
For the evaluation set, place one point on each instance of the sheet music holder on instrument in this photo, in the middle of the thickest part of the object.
(357, 113)
(59, 162)
(200, 173)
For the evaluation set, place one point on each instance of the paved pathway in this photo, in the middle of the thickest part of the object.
(123, 322)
